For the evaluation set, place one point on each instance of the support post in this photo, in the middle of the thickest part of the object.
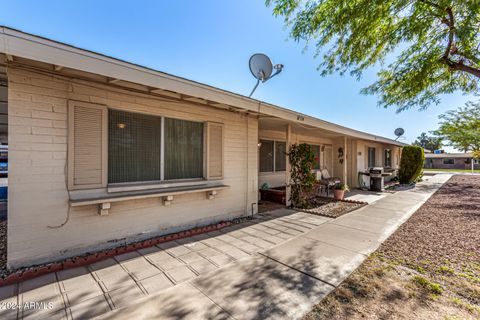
(288, 139)
(345, 155)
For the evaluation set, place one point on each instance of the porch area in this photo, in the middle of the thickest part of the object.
(341, 154)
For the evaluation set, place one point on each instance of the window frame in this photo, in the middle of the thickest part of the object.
(162, 180)
(274, 155)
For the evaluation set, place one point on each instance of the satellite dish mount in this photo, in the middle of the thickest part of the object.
(261, 67)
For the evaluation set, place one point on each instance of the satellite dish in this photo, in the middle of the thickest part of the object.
(261, 68)
(399, 132)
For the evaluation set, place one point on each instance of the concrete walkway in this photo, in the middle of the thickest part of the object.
(276, 266)
(287, 280)
(86, 292)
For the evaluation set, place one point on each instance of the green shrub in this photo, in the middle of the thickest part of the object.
(301, 159)
(411, 164)
(342, 186)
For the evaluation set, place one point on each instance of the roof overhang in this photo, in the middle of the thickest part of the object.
(28, 46)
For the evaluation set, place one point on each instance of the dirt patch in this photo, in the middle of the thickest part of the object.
(265, 206)
(428, 269)
(332, 208)
(446, 231)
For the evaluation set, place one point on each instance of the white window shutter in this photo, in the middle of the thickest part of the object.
(87, 145)
(215, 145)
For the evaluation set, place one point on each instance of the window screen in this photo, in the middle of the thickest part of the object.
(133, 147)
(183, 149)
(280, 156)
(371, 157)
(266, 155)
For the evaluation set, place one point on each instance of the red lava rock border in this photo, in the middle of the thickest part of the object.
(35, 271)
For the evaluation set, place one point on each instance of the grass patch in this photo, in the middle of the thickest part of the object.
(469, 277)
(430, 286)
(468, 306)
(446, 270)
(419, 269)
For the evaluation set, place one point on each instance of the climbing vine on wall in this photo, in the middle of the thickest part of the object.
(302, 182)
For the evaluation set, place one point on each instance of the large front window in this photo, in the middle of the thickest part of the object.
(135, 148)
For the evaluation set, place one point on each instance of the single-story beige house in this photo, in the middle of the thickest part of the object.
(104, 152)
(461, 161)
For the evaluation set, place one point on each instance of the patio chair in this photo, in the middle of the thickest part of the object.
(328, 182)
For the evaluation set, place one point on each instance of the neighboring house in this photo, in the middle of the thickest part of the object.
(103, 152)
(451, 161)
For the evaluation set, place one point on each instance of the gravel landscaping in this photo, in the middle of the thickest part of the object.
(446, 229)
(331, 208)
(428, 269)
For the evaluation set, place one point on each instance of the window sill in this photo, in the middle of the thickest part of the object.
(271, 172)
(138, 186)
(104, 199)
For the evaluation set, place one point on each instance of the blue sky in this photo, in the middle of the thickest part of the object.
(211, 41)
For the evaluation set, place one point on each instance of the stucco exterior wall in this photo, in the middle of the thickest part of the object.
(38, 196)
(361, 155)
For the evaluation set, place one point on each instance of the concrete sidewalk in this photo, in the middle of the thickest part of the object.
(285, 281)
